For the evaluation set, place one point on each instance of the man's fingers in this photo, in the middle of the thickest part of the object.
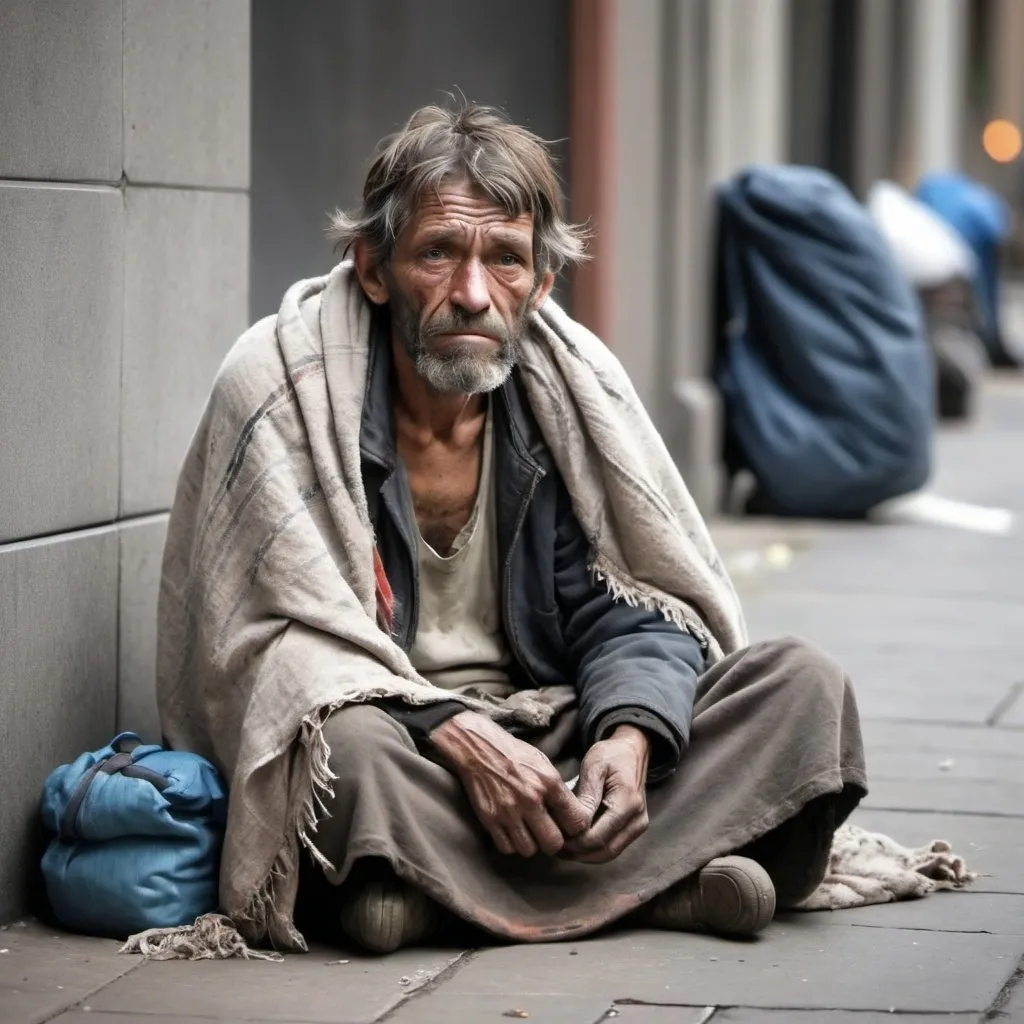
(590, 789)
(570, 814)
(613, 821)
(547, 834)
(522, 841)
(591, 848)
(625, 838)
(502, 841)
(624, 818)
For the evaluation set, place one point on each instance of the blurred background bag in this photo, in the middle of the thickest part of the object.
(983, 219)
(942, 268)
(823, 365)
(137, 837)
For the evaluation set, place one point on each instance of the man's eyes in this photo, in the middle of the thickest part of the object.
(435, 253)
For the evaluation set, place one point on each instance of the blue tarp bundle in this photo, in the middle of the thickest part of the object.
(825, 369)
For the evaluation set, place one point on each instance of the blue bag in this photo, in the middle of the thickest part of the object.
(138, 831)
(982, 218)
(824, 365)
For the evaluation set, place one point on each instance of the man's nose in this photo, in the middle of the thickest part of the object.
(469, 287)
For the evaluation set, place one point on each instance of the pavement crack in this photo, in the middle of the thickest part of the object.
(432, 984)
(995, 1010)
(937, 931)
(1008, 700)
(708, 1014)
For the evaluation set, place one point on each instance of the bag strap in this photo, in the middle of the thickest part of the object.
(110, 765)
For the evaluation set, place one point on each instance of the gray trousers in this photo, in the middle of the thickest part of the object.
(775, 764)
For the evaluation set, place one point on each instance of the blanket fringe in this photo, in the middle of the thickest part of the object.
(636, 595)
(320, 778)
(209, 937)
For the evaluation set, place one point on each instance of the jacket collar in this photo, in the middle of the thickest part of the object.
(377, 442)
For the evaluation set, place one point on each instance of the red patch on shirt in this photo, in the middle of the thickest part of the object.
(385, 598)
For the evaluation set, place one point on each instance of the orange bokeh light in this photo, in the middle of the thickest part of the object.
(1002, 141)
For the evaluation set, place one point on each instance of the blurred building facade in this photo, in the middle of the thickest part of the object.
(166, 170)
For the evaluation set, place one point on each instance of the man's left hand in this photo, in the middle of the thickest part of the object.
(612, 786)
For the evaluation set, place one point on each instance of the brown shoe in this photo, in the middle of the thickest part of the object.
(730, 895)
(383, 916)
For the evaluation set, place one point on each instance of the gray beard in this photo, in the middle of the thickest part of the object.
(460, 369)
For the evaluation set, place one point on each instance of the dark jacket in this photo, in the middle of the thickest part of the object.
(627, 664)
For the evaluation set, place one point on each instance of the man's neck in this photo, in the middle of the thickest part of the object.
(431, 415)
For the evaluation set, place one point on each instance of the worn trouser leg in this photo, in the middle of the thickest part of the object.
(774, 764)
(795, 853)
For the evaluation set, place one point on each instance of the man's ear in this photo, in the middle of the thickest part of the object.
(547, 282)
(369, 272)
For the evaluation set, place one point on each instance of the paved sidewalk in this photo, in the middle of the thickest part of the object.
(930, 622)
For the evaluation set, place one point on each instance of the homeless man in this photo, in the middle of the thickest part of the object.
(438, 603)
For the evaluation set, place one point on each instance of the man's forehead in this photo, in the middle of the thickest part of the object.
(460, 204)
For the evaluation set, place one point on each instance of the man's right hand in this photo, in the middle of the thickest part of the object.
(515, 790)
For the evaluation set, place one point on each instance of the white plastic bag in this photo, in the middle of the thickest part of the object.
(927, 249)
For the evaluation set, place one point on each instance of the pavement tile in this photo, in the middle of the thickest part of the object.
(972, 566)
(942, 739)
(88, 1017)
(745, 1015)
(908, 656)
(956, 766)
(42, 971)
(311, 988)
(990, 845)
(799, 964)
(947, 794)
(943, 911)
(440, 1007)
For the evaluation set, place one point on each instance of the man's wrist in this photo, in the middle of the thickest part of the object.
(633, 735)
(663, 745)
(449, 738)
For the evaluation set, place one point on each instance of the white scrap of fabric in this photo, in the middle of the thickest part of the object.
(868, 867)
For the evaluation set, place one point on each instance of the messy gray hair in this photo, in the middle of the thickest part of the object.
(506, 162)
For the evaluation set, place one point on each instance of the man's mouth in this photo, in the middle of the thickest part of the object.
(466, 337)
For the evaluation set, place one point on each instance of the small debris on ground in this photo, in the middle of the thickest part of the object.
(947, 765)
(331, 963)
(778, 556)
(516, 1013)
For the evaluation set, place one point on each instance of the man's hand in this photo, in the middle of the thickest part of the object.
(515, 790)
(612, 786)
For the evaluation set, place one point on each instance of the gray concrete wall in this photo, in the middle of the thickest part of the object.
(700, 89)
(330, 77)
(124, 238)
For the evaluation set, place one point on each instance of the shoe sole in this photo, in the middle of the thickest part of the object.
(384, 918)
(736, 896)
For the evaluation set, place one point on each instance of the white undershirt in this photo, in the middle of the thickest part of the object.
(460, 640)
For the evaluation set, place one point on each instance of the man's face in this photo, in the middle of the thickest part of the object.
(461, 284)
